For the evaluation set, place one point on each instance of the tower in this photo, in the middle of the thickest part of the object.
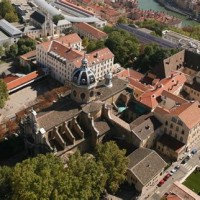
(83, 83)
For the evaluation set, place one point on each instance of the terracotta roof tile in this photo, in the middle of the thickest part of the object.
(28, 55)
(173, 97)
(22, 80)
(64, 51)
(65, 40)
(96, 33)
(172, 83)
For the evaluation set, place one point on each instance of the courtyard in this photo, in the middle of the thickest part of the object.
(193, 182)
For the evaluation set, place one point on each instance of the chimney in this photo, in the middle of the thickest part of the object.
(108, 80)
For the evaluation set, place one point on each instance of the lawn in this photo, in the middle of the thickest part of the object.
(193, 182)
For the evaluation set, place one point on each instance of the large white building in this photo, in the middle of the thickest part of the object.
(61, 56)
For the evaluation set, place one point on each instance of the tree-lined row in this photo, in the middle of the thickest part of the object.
(85, 177)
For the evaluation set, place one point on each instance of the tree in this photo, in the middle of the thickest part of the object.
(5, 183)
(122, 20)
(152, 55)
(94, 45)
(37, 178)
(3, 93)
(13, 51)
(57, 18)
(85, 41)
(11, 17)
(2, 51)
(89, 177)
(124, 46)
(114, 162)
(25, 45)
(7, 11)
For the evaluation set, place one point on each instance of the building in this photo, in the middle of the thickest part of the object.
(27, 60)
(181, 192)
(144, 169)
(23, 9)
(181, 41)
(88, 31)
(181, 125)
(41, 25)
(63, 55)
(8, 33)
(80, 120)
(192, 88)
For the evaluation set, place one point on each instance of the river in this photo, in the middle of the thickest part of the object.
(153, 5)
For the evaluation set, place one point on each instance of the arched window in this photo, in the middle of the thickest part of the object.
(82, 96)
(74, 93)
(181, 139)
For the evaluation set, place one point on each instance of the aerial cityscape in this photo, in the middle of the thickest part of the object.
(100, 99)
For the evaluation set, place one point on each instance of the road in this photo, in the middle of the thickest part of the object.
(179, 175)
(146, 38)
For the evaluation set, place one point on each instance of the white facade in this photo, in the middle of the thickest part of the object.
(62, 59)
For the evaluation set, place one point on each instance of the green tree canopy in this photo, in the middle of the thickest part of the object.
(114, 162)
(7, 11)
(3, 93)
(83, 177)
(152, 55)
(124, 46)
(56, 18)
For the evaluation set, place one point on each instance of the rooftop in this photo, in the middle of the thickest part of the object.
(171, 142)
(96, 33)
(9, 28)
(37, 16)
(145, 160)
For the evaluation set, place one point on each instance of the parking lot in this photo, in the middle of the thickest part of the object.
(26, 97)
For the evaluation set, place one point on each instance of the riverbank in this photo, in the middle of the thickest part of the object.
(171, 7)
(155, 6)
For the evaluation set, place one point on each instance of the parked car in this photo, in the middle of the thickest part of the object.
(160, 183)
(194, 151)
(185, 160)
(177, 167)
(166, 176)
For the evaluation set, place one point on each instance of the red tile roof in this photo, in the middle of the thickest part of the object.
(189, 113)
(64, 51)
(13, 83)
(28, 55)
(91, 30)
(173, 97)
(172, 83)
(95, 57)
(130, 73)
(65, 40)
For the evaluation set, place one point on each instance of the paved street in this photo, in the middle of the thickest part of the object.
(179, 175)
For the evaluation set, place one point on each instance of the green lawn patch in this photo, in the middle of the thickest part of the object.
(193, 182)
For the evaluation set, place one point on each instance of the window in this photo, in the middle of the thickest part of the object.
(174, 119)
(182, 132)
(171, 126)
(181, 139)
(82, 96)
(177, 128)
(166, 123)
(176, 136)
(170, 132)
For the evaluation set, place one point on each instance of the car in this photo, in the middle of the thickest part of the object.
(189, 155)
(160, 183)
(166, 176)
(177, 167)
(185, 160)
(194, 151)
(173, 171)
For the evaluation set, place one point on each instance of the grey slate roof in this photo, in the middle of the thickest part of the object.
(145, 126)
(57, 114)
(145, 164)
(9, 28)
(38, 17)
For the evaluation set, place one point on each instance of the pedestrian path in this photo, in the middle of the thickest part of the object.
(187, 166)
